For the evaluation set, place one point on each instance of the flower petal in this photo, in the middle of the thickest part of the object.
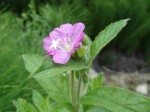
(46, 43)
(77, 34)
(78, 40)
(79, 27)
(66, 28)
(77, 45)
(61, 57)
(56, 33)
(51, 52)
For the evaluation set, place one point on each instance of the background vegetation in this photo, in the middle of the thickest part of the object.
(23, 24)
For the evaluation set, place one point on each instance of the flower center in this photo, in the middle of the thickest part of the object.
(67, 47)
(56, 45)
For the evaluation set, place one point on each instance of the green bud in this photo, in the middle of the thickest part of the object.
(82, 51)
(86, 40)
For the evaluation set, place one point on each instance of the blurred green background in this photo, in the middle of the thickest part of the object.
(23, 24)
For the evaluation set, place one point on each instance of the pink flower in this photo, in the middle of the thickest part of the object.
(63, 41)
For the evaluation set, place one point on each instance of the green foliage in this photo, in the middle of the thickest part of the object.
(98, 109)
(41, 104)
(23, 106)
(117, 99)
(96, 81)
(32, 62)
(55, 85)
(7, 37)
(53, 77)
(13, 77)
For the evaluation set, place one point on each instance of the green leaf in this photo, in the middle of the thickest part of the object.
(59, 69)
(56, 87)
(44, 104)
(87, 40)
(55, 81)
(98, 109)
(23, 106)
(117, 100)
(105, 36)
(39, 101)
(32, 62)
(96, 81)
(82, 51)
(62, 110)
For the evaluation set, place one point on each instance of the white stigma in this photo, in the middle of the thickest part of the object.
(55, 44)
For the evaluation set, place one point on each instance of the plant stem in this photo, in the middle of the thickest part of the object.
(72, 87)
(75, 93)
(78, 92)
(79, 86)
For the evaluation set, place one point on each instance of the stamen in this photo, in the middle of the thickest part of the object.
(55, 43)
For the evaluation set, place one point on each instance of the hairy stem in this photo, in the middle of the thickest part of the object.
(78, 91)
(79, 86)
(75, 92)
(72, 87)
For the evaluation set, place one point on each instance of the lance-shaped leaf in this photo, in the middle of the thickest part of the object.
(32, 62)
(96, 81)
(105, 36)
(35, 62)
(98, 109)
(24, 106)
(117, 100)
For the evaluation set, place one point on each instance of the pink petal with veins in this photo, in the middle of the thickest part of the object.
(61, 57)
(66, 28)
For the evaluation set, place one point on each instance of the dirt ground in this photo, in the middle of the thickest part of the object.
(129, 72)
